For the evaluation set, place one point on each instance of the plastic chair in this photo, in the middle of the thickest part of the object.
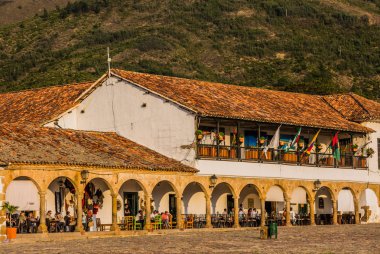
(157, 224)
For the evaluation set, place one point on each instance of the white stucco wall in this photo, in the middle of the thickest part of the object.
(373, 161)
(193, 200)
(118, 106)
(259, 170)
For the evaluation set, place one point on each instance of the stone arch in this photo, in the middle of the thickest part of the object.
(343, 203)
(104, 180)
(161, 195)
(20, 176)
(104, 212)
(332, 194)
(369, 206)
(131, 192)
(250, 192)
(324, 198)
(195, 201)
(25, 196)
(273, 201)
(217, 203)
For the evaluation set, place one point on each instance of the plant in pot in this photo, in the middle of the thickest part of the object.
(301, 144)
(319, 147)
(354, 147)
(12, 229)
(221, 136)
(241, 138)
(262, 140)
(370, 152)
(199, 134)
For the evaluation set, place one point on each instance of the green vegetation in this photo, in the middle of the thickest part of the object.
(301, 45)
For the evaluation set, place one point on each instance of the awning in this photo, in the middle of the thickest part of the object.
(275, 194)
(298, 196)
(345, 201)
(24, 194)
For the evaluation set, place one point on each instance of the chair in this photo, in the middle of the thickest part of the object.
(157, 224)
(128, 222)
(136, 225)
(170, 225)
(190, 222)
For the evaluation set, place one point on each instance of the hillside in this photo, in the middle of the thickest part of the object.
(310, 46)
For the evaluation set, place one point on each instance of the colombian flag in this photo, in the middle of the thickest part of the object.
(311, 144)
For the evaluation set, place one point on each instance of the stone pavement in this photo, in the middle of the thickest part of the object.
(307, 239)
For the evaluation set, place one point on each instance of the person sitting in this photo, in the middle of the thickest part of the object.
(140, 218)
(68, 224)
(153, 215)
(22, 222)
(165, 219)
(32, 223)
(48, 219)
(61, 222)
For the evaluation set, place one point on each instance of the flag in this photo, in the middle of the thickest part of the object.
(335, 146)
(296, 139)
(274, 142)
(311, 144)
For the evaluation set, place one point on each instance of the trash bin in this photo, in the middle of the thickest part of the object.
(272, 229)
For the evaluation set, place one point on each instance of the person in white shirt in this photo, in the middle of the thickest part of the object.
(292, 216)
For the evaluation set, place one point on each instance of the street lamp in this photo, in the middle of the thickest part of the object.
(84, 175)
(317, 185)
(213, 180)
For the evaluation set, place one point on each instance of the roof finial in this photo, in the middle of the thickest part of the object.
(109, 62)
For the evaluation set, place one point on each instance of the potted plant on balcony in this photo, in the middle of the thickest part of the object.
(221, 136)
(369, 151)
(262, 140)
(318, 147)
(10, 210)
(354, 147)
(199, 134)
(241, 138)
(301, 143)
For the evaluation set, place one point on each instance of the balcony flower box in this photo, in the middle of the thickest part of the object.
(251, 154)
(204, 151)
(290, 157)
(233, 153)
(223, 152)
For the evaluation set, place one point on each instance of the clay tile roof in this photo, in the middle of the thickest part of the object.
(43, 145)
(249, 103)
(37, 106)
(354, 107)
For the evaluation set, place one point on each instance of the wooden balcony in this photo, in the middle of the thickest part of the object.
(279, 156)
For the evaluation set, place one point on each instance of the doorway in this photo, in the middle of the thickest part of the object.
(132, 198)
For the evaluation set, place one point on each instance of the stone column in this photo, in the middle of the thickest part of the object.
(208, 212)
(236, 213)
(312, 211)
(79, 227)
(335, 212)
(2, 213)
(357, 216)
(287, 217)
(114, 226)
(262, 200)
(147, 212)
(42, 227)
(179, 211)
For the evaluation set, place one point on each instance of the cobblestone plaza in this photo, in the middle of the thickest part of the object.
(309, 239)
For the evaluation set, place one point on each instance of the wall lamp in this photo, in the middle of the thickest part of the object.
(317, 185)
(213, 180)
(84, 175)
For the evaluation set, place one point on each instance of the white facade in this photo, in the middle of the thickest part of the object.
(150, 120)
(133, 113)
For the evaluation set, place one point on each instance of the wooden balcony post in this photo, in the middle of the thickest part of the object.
(217, 140)
(238, 146)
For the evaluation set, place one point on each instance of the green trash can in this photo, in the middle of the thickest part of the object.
(272, 229)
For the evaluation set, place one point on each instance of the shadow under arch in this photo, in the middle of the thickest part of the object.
(188, 193)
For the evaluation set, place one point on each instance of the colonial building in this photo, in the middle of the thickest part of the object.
(188, 147)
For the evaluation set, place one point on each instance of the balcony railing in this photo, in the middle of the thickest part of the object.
(254, 154)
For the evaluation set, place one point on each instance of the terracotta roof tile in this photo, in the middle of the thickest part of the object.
(37, 106)
(237, 102)
(42, 145)
(354, 107)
